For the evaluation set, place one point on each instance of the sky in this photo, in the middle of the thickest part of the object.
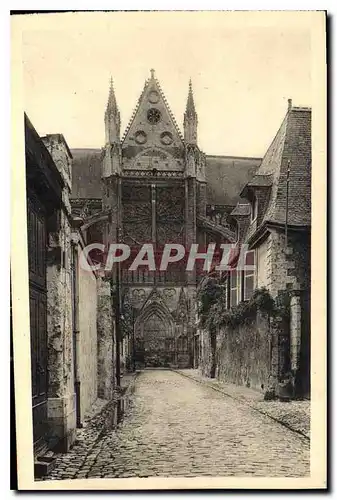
(243, 69)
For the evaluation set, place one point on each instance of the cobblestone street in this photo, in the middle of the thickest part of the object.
(176, 427)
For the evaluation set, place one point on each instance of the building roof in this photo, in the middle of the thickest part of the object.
(86, 173)
(225, 176)
(292, 143)
(241, 209)
(261, 180)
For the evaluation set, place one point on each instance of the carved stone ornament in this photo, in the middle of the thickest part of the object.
(153, 116)
(166, 138)
(153, 97)
(140, 137)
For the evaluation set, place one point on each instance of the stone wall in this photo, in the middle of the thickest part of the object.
(289, 267)
(263, 272)
(106, 331)
(243, 355)
(258, 354)
(87, 311)
(279, 268)
(61, 396)
(290, 270)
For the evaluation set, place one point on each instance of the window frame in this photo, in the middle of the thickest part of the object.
(238, 288)
(254, 209)
(249, 273)
(232, 289)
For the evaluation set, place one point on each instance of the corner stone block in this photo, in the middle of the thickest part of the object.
(62, 423)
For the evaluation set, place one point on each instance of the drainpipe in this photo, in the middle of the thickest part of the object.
(76, 332)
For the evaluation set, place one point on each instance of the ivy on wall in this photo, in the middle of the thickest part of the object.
(213, 312)
(209, 295)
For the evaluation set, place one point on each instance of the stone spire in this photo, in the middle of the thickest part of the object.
(112, 118)
(190, 119)
(111, 163)
(190, 107)
(112, 104)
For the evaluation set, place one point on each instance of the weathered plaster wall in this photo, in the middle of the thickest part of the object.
(87, 338)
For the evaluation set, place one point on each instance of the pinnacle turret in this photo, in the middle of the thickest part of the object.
(190, 107)
(112, 103)
(190, 118)
(112, 118)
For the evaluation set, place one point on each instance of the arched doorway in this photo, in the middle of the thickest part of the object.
(155, 338)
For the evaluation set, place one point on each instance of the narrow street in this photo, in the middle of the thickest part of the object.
(177, 427)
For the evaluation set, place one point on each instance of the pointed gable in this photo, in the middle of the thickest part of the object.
(155, 303)
(152, 139)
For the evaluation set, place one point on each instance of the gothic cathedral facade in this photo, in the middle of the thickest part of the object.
(156, 186)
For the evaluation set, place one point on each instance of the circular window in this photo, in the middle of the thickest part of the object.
(140, 137)
(153, 97)
(153, 116)
(166, 138)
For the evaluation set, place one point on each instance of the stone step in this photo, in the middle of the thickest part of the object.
(43, 467)
(48, 456)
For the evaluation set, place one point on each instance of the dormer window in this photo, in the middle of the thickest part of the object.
(254, 209)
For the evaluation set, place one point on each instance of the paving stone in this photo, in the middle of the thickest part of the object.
(175, 427)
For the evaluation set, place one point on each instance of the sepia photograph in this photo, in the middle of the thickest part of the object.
(168, 201)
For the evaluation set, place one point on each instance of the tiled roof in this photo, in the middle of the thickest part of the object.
(241, 209)
(226, 176)
(86, 173)
(292, 143)
(261, 180)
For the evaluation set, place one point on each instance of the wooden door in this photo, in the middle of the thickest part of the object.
(37, 240)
